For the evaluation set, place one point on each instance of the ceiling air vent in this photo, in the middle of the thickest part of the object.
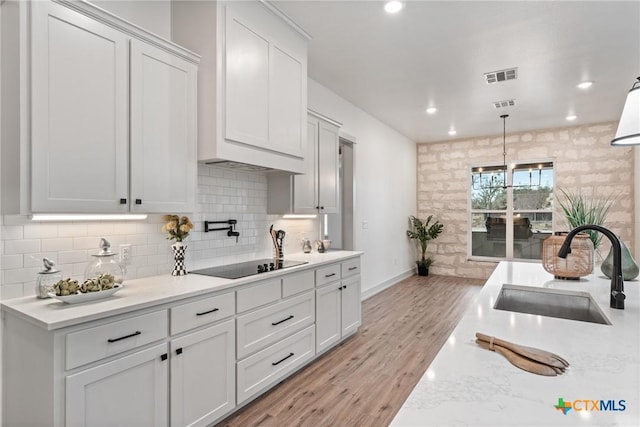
(501, 76)
(505, 103)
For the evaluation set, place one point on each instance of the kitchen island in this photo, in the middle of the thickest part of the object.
(467, 385)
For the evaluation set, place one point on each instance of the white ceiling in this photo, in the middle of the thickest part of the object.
(436, 53)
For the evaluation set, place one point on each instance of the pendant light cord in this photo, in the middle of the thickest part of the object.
(504, 150)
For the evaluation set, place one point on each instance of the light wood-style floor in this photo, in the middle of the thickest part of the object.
(365, 380)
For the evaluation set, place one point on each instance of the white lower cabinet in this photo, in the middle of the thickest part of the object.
(189, 362)
(338, 311)
(202, 375)
(328, 312)
(263, 369)
(130, 391)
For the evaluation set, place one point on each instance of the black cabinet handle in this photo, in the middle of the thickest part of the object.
(124, 337)
(164, 357)
(123, 201)
(179, 350)
(138, 201)
(321, 207)
(353, 268)
(282, 360)
(202, 313)
(330, 275)
(340, 288)
(344, 287)
(282, 321)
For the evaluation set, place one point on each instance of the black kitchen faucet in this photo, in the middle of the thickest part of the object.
(616, 299)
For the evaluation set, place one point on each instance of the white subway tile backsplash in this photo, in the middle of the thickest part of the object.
(9, 262)
(22, 246)
(92, 242)
(21, 275)
(58, 244)
(72, 230)
(222, 194)
(70, 257)
(11, 232)
(40, 231)
(100, 229)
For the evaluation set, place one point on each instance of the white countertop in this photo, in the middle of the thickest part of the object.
(467, 385)
(137, 294)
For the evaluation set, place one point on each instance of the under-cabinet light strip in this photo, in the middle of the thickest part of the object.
(297, 216)
(88, 217)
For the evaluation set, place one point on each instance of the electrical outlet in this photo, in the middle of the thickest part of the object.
(125, 254)
(365, 224)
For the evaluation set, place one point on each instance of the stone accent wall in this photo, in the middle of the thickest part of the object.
(583, 160)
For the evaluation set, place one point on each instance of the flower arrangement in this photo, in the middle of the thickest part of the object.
(178, 227)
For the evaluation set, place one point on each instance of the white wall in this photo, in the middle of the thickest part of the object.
(385, 189)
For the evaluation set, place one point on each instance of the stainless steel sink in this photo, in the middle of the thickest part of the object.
(550, 302)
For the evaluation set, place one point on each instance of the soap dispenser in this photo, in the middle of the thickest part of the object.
(48, 277)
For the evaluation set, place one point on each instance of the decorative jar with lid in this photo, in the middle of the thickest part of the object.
(48, 277)
(104, 271)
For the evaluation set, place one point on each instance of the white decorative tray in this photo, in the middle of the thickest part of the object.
(89, 296)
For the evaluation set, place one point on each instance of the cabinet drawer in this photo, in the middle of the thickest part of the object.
(270, 365)
(260, 294)
(112, 338)
(297, 283)
(350, 268)
(327, 274)
(264, 327)
(207, 310)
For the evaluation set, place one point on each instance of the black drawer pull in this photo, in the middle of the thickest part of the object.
(207, 312)
(340, 288)
(330, 275)
(164, 357)
(138, 201)
(282, 321)
(353, 268)
(179, 350)
(282, 360)
(123, 201)
(124, 337)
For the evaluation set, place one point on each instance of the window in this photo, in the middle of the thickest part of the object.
(511, 210)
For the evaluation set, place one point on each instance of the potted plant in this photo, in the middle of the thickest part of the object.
(423, 232)
(579, 210)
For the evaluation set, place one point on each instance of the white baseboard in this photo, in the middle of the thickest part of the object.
(386, 284)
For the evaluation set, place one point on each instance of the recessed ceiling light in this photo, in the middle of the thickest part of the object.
(431, 110)
(571, 117)
(393, 6)
(452, 132)
(585, 85)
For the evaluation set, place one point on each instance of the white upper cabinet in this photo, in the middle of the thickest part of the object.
(252, 82)
(163, 130)
(79, 140)
(106, 114)
(317, 190)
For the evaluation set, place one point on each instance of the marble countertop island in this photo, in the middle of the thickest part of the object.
(470, 386)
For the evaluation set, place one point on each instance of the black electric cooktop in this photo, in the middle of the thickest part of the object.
(249, 268)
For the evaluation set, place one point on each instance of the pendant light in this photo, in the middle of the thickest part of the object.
(629, 126)
(493, 182)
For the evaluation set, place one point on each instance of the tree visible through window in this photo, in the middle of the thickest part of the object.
(511, 210)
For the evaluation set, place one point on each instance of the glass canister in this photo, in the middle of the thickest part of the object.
(579, 262)
(104, 272)
(306, 245)
(48, 277)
